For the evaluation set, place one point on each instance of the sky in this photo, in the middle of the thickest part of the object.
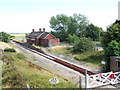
(21, 16)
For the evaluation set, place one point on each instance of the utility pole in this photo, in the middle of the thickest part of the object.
(119, 10)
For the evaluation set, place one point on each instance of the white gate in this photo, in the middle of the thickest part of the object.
(102, 79)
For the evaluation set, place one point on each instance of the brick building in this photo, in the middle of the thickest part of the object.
(115, 63)
(42, 38)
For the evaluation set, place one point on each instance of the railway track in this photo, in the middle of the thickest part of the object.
(41, 53)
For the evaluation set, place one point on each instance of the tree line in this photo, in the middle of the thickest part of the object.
(77, 26)
(80, 32)
(76, 30)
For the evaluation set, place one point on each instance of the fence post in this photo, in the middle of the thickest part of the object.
(28, 87)
(80, 86)
(86, 79)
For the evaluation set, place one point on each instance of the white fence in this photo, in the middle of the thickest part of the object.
(101, 79)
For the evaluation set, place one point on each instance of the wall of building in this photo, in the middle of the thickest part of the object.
(44, 42)
(54, 41)
(49, 36)
(113, 63)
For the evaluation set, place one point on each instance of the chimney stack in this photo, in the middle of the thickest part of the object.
(33, 30)
(43, 29)
(40, 29)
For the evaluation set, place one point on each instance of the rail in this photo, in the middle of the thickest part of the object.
(40, 52)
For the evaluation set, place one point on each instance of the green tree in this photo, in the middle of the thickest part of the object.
(77, 24)
(113, 33)
(73, 38)
(111, 42)
(113, 49)
(84, 44)
(4, 37)
(64, 25)
(59, 24)
(93, 32)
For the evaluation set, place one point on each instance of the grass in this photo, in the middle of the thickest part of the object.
(36, 46)
(33, 75)
(93, 57)
(60, 50)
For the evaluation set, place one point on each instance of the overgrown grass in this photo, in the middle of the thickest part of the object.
(20, 56)
(33, 75)
(93, 57)
(61, 50)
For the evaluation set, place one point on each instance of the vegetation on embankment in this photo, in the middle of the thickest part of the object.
(93, 57)
(30, 74)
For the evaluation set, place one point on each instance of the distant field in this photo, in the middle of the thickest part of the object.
(18, 35)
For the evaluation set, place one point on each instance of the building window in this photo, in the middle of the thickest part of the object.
(118, 64)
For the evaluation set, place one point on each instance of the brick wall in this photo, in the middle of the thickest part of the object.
(113, 63)
(49, 36)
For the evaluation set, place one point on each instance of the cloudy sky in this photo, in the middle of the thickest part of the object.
(21, 16)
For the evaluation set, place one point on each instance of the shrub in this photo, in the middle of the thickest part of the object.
(4, 37)
(113, 49)
(9, 50)
(112, 33)
(20, 56)
(85, 44)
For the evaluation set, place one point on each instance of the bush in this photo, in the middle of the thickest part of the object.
(85, 44)
(113, 49)
(20, 56)
(112, 33)
(4, 37)
(9, 50)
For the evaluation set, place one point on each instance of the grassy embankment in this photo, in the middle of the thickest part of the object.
(93, 57)
(30, 74)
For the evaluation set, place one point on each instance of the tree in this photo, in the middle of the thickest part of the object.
(113, 49)
(73, 38)
(77, 24)
(84, 44)
(59, 24)
(113, 33)
(93, 32)
(64, 25)
(111, 42)
(5, 37)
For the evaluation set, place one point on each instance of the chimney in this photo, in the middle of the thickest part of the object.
(40, 29)
(43, 29)
(33, 30)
